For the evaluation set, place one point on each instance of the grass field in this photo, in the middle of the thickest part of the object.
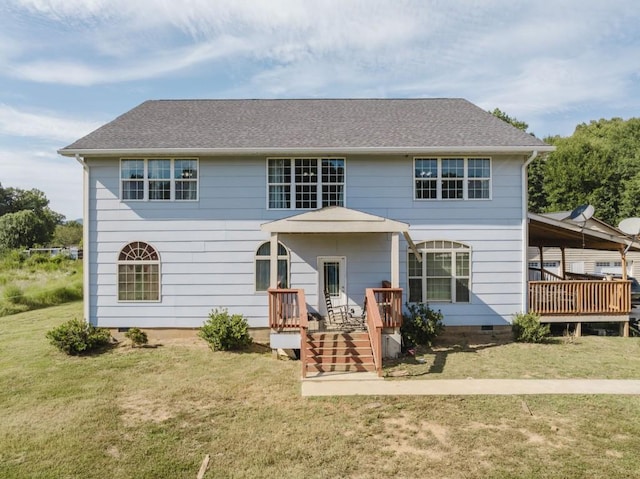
(37, 282)
(156, 412)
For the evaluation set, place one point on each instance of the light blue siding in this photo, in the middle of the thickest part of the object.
(207, 247)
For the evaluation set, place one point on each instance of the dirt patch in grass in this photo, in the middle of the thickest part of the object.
(406, 436)
(138, 408)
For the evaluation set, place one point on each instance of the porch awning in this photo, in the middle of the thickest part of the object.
(545, 231)
(335, 219)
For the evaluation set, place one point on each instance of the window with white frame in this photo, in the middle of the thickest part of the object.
(545, 265)
(138, 273)
(263, 266)
(161, 179)
(452, 178)
(305, 183)
(440, 273)
(608, 264)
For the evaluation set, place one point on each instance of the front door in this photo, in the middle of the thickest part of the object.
(332, 277)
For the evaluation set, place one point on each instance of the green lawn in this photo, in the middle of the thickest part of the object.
(584, 357)
(156, 412)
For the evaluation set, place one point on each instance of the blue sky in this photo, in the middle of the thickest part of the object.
(68, 66)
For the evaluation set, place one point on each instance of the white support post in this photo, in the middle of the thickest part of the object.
(395, 260)
(273, 276)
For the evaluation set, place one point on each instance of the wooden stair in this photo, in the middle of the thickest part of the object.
(339, 351)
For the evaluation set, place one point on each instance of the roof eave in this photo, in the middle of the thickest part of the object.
(620, 241)
(313, 150)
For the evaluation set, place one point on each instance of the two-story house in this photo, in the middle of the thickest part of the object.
(191, 205)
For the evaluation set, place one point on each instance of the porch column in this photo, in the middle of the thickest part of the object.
(273, 253)
(623, 257)
(395, 260)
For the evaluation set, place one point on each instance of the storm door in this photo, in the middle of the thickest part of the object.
(332, 278)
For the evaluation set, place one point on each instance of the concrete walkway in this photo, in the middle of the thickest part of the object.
(368, 384)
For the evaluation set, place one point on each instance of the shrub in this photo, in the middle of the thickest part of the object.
(77, 337)
(224, 332)
(14, 295)
(527, 328)
(10, 259)
(420, 325)
(58, 295)
(136, 336)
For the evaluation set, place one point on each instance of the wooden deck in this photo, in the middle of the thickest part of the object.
(582, 301)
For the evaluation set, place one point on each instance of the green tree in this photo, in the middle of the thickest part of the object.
(599, 165)
(21, 230)
(520, 125)
(15, 201)
(67, 234)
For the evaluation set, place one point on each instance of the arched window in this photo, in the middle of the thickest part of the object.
(138, 273)
(263, 266)
(442, 275)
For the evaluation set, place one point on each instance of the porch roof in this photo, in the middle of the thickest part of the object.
(335, 219)
(545, 231)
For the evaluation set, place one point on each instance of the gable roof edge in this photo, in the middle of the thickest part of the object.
(314, 150)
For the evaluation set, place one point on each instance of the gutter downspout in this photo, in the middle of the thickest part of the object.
(85, 238)
(525, 232)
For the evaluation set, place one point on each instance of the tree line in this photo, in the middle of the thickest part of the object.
(599, 164)
(27, 221)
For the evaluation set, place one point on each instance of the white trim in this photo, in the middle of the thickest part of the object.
(524, 240)
(334, 219)
(423, 250)
(293, 197)
(172, 180)
(342, 278)
(465, 178)
(273, 261)
(86, 222)
(395, 260)
(402, 150)
(286, 257)
(158, 262)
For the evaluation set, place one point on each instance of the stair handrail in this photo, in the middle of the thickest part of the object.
(304, 328)
(374, 325)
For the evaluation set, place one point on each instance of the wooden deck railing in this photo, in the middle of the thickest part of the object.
(580, 297)
(304, 328)
(383, 308)
(542, 274)
(287, 308)
(374, 325)
(389, 301)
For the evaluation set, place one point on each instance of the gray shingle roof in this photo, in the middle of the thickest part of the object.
(304, 124)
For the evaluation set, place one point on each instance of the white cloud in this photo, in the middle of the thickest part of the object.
(502, 51)
(152, 66)
(43, 125)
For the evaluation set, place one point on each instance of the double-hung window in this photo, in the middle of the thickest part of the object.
(305, 183)
(452, 178)
(441, 272)
(163, 179)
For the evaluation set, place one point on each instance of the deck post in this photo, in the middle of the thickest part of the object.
(273, 256)
(395, 260)
(624, 329)
(578, 329)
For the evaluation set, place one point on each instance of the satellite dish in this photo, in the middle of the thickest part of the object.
(581, 214)
(630, 226)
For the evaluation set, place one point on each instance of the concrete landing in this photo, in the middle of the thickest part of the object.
(348, 385)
